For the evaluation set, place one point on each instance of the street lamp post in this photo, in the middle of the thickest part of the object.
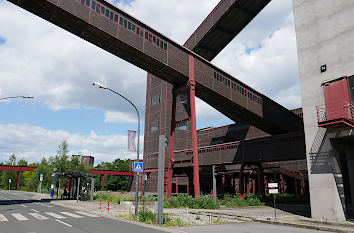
(99, 85)
(20, 96)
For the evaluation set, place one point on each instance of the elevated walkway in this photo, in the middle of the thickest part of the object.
(115, 31)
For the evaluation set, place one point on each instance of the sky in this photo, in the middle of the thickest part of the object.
(40, 59)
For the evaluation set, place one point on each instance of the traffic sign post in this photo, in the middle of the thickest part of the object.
(40, 184)
(138, 168)
(273, 189)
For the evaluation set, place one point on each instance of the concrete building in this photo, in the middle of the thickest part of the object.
(325, 43)
(88, 160)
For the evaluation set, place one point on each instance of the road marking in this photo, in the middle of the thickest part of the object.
(63, 223)
(38, 216)
(20, 217)
(3, 218)
(23, 205)
(35, 210)
(55, 215)
(87, 214)
(71, 214)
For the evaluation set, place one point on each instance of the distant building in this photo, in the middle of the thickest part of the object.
(88, 160)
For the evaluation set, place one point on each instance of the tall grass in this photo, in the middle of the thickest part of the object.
(184, 200)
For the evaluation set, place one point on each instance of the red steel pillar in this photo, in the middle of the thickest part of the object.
(104, 179)
(177, 185)
(265, 185)
(248, 184)
(253, 186)
(295, 181)
(241, 183)
(142, 184)
(172, 145)
(281, 184)
(223, 184)
(191, 84)
(18, 180)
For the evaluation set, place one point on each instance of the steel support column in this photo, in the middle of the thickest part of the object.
(172, 145)
(191, 84)
(281, 184)
(241, 182)
(18, 180)
(104, 180)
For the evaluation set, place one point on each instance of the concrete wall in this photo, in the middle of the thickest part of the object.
(325, 35)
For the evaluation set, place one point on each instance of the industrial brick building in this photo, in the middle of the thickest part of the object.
(268, 142)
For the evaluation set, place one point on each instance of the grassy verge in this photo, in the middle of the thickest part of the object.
(149, 217)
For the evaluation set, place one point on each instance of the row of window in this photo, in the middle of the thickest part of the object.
(237, 88)
(214, 149)
(125, 23)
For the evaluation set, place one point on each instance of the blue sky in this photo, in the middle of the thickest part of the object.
(58, 69)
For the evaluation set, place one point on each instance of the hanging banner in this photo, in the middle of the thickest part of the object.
(131, 141)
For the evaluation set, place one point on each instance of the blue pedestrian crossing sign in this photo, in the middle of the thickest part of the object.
(138, 166)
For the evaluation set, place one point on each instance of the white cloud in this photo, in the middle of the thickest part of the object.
(33, 143)
(119, 117)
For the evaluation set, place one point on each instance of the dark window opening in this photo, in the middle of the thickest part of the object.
(351, 88)
(98, 8)
(150, 37)
(142, 33)
(129, 25)
(121, 21)
(157, 41)
(87, 2)
(165, 46)
(102, 9)
(228, 82)
(111, 15)
(137, 30)
(214, 75)
(146, 35)
(116, 18)
(154, 39)
(125, 23)
(93, 6)
(161, 45)
(133, 27)
(107, 13)
(83, 1)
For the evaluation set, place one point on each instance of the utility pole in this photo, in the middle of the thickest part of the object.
(214, 183)
(161, 170)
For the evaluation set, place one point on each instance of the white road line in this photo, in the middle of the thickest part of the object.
(71, 214)
(55, 215)
(35, 210)
(38, 216)
(87, 214)
(3, 218)
(63, 223)
(20, 217)
(23, 205)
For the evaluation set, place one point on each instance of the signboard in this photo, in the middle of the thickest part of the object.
(273, 191)
(138, 166)
(272, 185)
(41, 177)
(131, 141)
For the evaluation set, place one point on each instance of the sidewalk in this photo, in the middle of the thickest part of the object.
(264, 214)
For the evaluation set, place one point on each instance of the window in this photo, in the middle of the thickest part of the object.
(351, 88)
(137, 30)
(83, 1)
(129, 26)
(150, 37)
(107, 13)
(111, 15)
(155, 99)
(181, 126)
(228, 82)
(121, 21)
(88, 3)
(133, 27)
(116, 18)
(146, 35)
(157, 41)
(154, 39)
(141, 33)
(161, 45)
(164, 46)
(154, 126)
(93, 6)
(125, 23)
(102, 9)
(214, 75)
(98, 8)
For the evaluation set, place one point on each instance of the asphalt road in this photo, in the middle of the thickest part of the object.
(21, 213)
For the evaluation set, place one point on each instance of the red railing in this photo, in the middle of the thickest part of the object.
(340, 111)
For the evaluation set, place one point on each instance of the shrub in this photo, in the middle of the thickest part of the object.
(107, 197)
(247, 200)
(184, 200)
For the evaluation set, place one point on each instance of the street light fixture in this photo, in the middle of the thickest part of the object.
(99, 85)
(20, 96)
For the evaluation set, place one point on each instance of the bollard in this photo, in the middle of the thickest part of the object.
(100, 205)
(108, 206)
